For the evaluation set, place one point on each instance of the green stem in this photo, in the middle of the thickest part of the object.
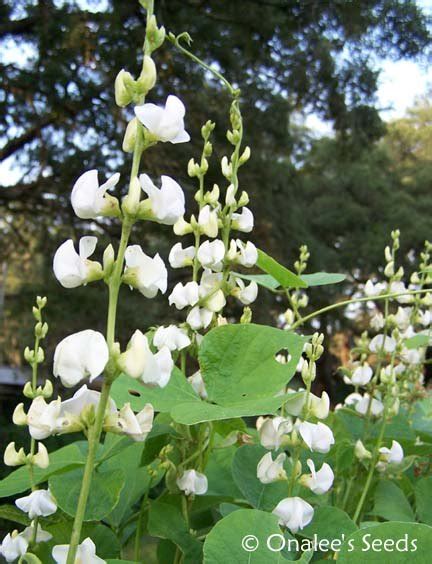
(373, 462)
(353, 301)
(140, 525)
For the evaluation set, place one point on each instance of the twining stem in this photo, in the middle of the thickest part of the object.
(33, 441)
(353, 301)
(373, 462)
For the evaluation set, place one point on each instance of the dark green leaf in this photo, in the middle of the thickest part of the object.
(285, 277)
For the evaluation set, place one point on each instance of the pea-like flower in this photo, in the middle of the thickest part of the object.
(362, 406)
(246, 294)
(79, 356)
(392, 455)
(136, 426)
(192, 482)
(89, 200)
(40, 503)
(86, 553)
(211, 254)
(164, 205)
(164, 124)
(272, 431)
(317, 436)
(318, 481)
(172, 337)
(43, 418)
(382, 343)
(198, 384)
(13, 546)
(245, 254)
(208, 222)
(199, 318)
(184, 295)
(269, 470)
(139, 362)
(362, 375)
(210, 290)
(294, 513)
(371, 290)
(73, 269)
(179, 257)
(243, 221)
(146, 274)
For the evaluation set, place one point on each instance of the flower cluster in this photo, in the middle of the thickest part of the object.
(306, 432)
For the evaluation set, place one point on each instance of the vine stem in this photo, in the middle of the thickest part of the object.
(353, 301)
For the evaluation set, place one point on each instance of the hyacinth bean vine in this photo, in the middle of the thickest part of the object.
(197, 444)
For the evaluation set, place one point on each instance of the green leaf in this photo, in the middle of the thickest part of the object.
(29, 558)
(238, 361)
(264, 280)
(423, 495)
(422, 417)
(322, 278)
(391, 503)
(197, 412)
(404, 542)
(329, 523)
(61, 460)
(285, 277)
(261, 496)
(104, 492)
(417, 341)
(166, 521)
(12, 513)
(219, 473)
(178, 390)
(223, 544)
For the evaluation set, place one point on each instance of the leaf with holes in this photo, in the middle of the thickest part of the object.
(238, 362)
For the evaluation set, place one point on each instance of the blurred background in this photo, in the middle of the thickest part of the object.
(338, 112)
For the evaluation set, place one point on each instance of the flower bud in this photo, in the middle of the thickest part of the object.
(41, 458)
(289, 316)
(19, 416)
(47, 390)
(213, 196)
(41, 302)
(182, 227)
(131, 201)
(108, 259)
(147, 78)
(389, 269)
(130, 135)
(245, 156)
(208, 149)
(36, 313)
(155, 35)
(123, 88)
(247, 315)
(230, 196)
(12, 457)
(193, 169)
(28, 391)
(28, 355)
(226, 168)
(361, 452)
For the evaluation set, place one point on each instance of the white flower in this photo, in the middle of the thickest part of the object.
(377, 322)
(192, 482)
(41, 458)
(272, 431)
(179, 257)
(293, 513)
(393, 455)
(246, 294)
(243, 221)
(38, 503)
(211, 254)
(382, 343)
(362, 406)
(89, 200)
(400, 288)
(361, 451)
(86, 553)
(402, 317)
(362, 375)
(172, 337)
(424, 317)
(248, 254)
(372, 290)
(318, 482)
(42, 417)
(12, 456)
(210, 290)
(72, 408)
(41, 535)
(352, 399)
(269, 470)
(411, 356)
(136, 426)
(73, 269)
(318, 437)
(197, 383)
(208, 221)
(167, 204)
(138, 361)
(184, 295)
(199, 318)
(13, 546)
(79, 356)
(146, 274)
(165, 124)
(319, 407)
